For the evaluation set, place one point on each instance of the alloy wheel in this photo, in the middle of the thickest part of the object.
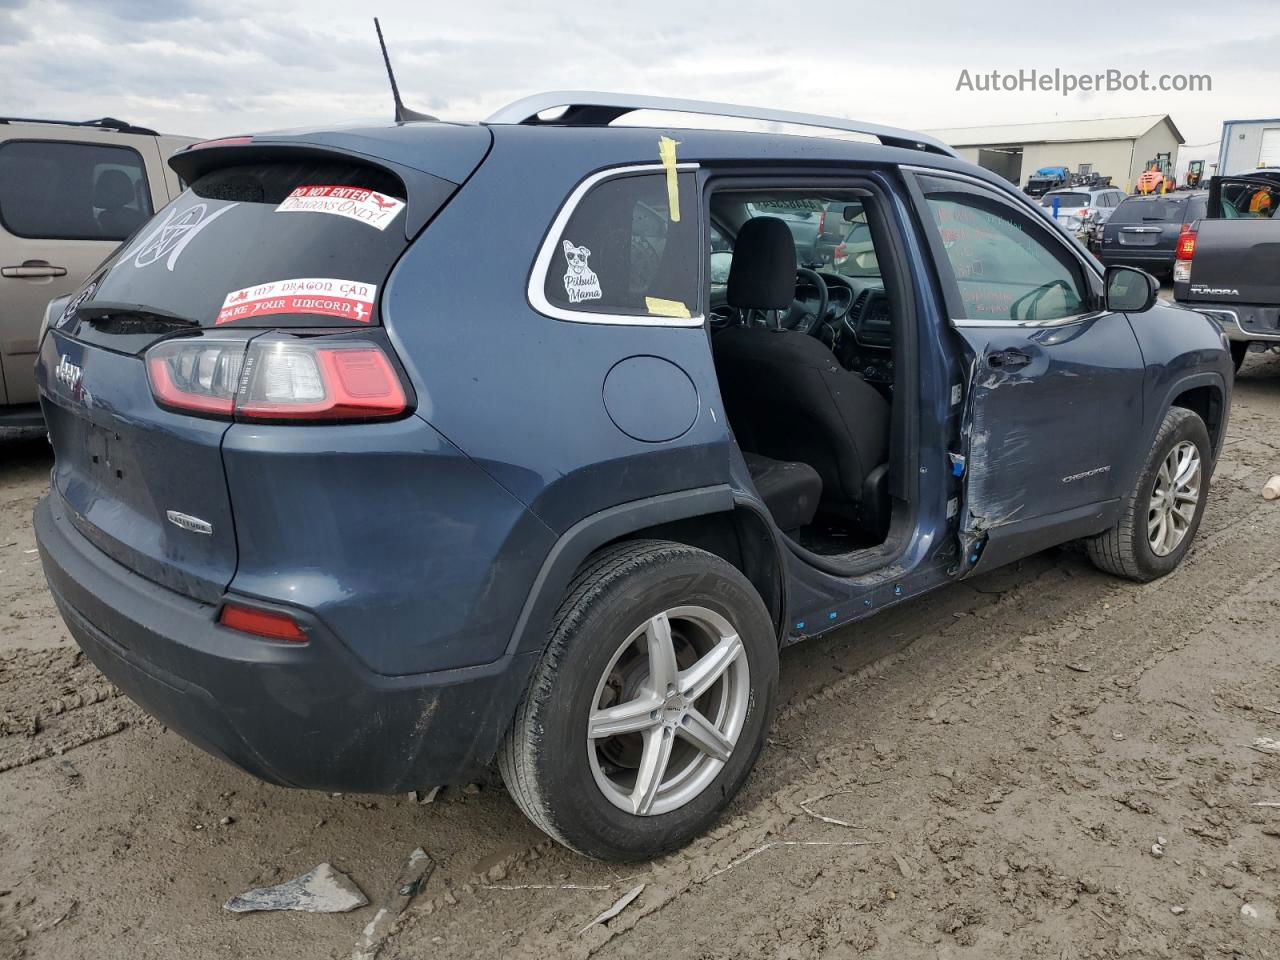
(668, 710)
(1174, 498)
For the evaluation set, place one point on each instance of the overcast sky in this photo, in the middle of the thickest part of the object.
(207, 68)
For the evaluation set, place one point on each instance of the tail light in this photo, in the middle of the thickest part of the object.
(261, 623)
(1185, 253)
(293, 380)
(822, 224)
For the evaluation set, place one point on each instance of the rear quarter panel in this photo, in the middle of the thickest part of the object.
(519, 392)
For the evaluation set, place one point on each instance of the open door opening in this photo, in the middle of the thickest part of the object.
(807, 346)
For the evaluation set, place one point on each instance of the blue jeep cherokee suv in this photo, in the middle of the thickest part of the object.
(384, 452)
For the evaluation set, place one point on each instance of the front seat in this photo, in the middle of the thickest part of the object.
(112, 195)
(786, 396)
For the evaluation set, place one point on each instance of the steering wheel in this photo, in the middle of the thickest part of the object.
(799, 317)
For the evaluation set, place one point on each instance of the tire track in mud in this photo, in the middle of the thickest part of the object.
(53, 701)
(1189, 611)
(1117, 634)
(941, 644)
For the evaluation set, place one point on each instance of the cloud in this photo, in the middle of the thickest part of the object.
(209, 68)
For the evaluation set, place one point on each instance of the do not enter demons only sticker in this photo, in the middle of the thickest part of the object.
(348, 299)
(368, 206)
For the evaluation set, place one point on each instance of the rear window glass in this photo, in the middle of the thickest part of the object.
(265, 244)
(1248, 200)
(1066, 199)
(52, 190)
(1150, 210)
(628, 250)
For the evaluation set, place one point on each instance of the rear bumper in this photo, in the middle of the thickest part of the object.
(1241, 321)
(300, 715)
(1155, 260)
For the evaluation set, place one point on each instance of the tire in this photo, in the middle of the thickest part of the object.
(574, 788)
(1126, 550)
(1238, 350)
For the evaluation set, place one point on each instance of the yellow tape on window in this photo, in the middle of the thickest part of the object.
(666, 308)
(667, 152)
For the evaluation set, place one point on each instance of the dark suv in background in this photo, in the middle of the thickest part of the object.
(1144, 230)
(351, 502)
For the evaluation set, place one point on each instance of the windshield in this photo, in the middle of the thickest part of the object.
(1065, 199)
(1150, 210)
(830, 233)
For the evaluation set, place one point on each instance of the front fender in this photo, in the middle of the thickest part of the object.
(1214, 381)
(1182, 350)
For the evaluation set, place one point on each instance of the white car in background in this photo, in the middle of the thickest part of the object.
(1082, 209)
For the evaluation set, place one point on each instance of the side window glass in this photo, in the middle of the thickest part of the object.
(1005, 266)
(721, 257)
(1248, 200)
(72, 191)
(628, 249)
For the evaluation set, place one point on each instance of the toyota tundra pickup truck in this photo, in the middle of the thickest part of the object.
(1228, 264)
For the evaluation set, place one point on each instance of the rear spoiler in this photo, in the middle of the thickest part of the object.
(425, 193)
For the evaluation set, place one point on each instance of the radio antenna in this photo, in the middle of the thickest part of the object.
(402, 112)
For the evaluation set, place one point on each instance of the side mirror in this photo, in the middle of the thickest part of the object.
(1130, 290)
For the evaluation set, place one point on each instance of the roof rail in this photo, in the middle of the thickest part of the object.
(586, 108)
(104, 123)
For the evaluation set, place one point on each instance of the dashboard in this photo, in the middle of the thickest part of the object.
(860, 326)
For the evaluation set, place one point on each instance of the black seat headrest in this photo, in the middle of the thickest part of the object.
(113, 189)
(763, 273)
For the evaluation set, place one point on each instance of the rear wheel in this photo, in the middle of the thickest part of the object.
(1163, 510)
(649, 706)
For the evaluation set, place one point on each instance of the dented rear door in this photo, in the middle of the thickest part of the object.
(1054, 393)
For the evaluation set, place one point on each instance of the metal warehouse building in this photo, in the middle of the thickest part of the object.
(1120, 148)
(1249, 144)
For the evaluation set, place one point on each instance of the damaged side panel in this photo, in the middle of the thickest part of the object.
(995, 485)
(1046, 438)
(1055, 384)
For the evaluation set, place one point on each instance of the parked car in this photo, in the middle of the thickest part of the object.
(1081, 209)
(1226, 263)
(69, 193)
(808, 224)
(1144, 231)
(1046, 179)
(353, 504)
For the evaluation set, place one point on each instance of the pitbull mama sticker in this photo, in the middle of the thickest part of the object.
(347, 299)
(580, 281)
(356, 203)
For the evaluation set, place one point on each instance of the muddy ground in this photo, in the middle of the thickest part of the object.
(983, 773)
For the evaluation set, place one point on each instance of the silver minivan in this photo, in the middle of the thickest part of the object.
(69, 194)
